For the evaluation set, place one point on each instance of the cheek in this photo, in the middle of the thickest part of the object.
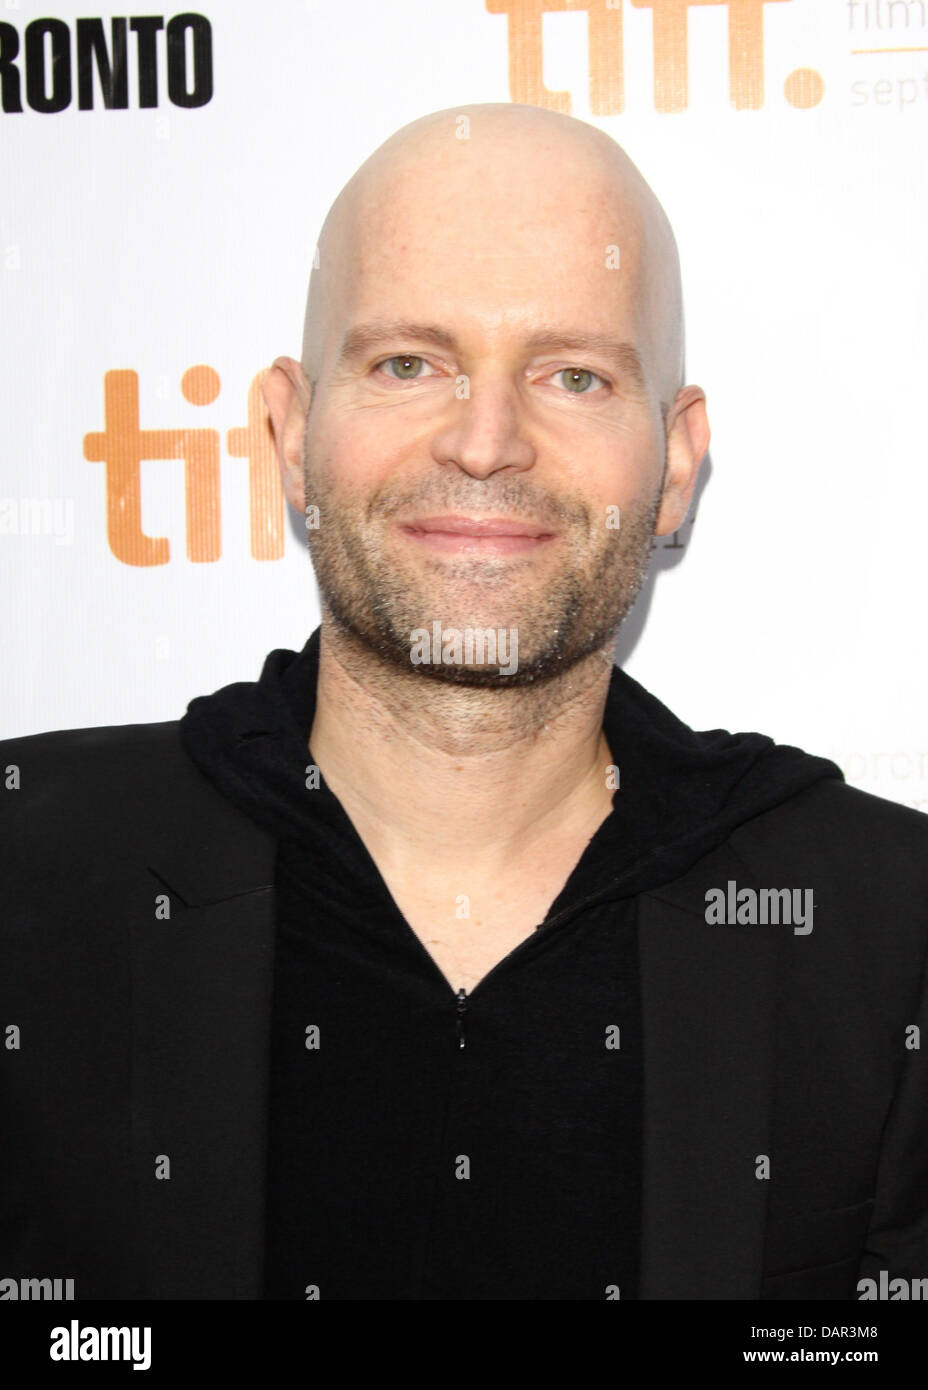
(623, 471)
(353, 452)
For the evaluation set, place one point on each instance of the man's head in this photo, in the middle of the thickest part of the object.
(494, 331)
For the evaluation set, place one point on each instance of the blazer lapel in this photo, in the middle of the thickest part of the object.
(201, 995)
(708, 1009)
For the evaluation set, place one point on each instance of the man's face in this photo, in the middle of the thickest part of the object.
(486, 424)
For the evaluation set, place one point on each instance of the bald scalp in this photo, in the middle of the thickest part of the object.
(503, 141)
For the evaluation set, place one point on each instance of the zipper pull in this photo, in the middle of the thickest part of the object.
(461, 1008)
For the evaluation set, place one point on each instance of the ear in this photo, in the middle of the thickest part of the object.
(287, 395)
(687, 442)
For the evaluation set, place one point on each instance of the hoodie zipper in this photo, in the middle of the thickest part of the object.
(565, 915)
(461, 999)
(461, 1004)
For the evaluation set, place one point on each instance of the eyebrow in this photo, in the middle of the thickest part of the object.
(364, 337)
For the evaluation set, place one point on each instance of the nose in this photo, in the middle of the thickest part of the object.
(485, 432)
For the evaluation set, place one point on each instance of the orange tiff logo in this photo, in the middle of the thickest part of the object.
(121, 445)
(803, 86)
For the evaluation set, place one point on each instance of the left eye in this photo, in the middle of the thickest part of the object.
(408, 366)
(577, 379)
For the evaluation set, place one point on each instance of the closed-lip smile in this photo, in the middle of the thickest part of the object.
(477, 535)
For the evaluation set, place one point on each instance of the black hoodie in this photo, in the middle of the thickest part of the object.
(427, 1146)
(681, 793)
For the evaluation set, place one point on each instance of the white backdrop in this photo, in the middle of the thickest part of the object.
(153, 239)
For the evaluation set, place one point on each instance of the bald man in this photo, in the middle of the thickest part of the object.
(443, 961)
(479, 397)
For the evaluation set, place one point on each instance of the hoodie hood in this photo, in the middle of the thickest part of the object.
(681, 793)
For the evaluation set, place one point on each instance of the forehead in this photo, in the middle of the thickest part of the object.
(494, 243)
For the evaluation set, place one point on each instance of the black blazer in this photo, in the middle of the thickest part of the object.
(139, 1037)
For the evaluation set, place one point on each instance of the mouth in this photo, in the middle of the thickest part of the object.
(476, 535)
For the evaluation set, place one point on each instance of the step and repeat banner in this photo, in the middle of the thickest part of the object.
(164, 179)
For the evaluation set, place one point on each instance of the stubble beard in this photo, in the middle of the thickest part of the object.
(376, 602)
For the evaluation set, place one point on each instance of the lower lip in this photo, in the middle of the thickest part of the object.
(458, 544)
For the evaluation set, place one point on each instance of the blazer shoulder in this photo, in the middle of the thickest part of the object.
(127, 774)
(93, 802)
(830, 812)
(863, 855)
(87, 767)
(100, 739)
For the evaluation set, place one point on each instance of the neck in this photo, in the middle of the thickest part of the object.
(430, 768)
